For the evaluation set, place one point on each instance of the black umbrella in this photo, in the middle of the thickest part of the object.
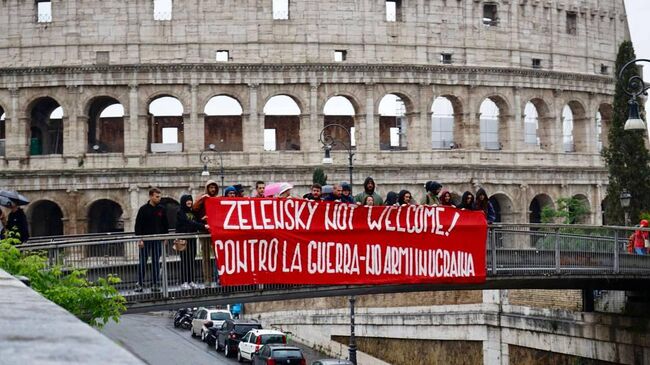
(4, 201)
(14, 196)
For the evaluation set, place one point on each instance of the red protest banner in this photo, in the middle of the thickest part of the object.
(295, 241)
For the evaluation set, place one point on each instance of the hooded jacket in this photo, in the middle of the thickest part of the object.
(391, 198)
(401, 195)
(639, 236)
(199, 204)
(431, 198)
(186, 221)
(486, 207)
(361, 197)
(463, 204)
(442, 198)
(17, 221)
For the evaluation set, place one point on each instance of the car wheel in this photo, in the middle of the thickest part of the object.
(202, 335)
(216, 345)
(226, 350)
(239, 358)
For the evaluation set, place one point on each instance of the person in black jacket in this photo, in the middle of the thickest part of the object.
(17, 222)
(151, 219)
(187, 222)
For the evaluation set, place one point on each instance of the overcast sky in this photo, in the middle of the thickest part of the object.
(638, 12)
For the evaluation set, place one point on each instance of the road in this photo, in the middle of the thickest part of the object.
(153, 338)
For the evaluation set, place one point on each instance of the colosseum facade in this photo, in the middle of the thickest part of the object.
(527, 86)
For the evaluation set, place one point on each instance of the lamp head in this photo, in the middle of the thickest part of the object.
(634, 121)
(625, 199)
(327, 159)
(205, 171)
(211, 146)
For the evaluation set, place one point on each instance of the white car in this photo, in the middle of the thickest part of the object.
(255, 339)
(217, 316)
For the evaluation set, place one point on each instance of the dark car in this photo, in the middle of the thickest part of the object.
(332, 362)
(279, 354)
(227, 336)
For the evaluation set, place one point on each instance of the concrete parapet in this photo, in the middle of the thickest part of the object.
(34, 330)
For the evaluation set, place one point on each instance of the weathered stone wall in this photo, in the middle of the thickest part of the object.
(527, 356)
(552, 299)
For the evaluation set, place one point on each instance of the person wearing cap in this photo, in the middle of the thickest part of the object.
(230, 192)
(17, 222)
(284, 191)
(433, 189)
(346, 193)
(641, 239)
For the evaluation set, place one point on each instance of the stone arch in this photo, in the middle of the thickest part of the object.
(223, 123)
(395, 110)
(544, 125)
(300, 103)
(503, 207)
(45, 218)
(229, 93)
(446, 122)
(105, 133)
(104, 215)
(282, 129)
(575, 130)
(165, 131)
(171, 206)
(45, 130)
(604, 117)
(582, 198)
(356, 105)
(536, 205)
(339, 109)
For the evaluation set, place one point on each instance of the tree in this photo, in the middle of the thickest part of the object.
(569, 210)
(319, 176)
(94, 303)
(627, 156)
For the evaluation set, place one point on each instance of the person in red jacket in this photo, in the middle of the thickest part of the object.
(640, 239)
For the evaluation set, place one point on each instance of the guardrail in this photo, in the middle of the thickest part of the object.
(522, 250)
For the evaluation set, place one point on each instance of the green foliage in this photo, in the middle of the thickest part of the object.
(94, 303)
(626, 157)
(319, 176)
(569, 211)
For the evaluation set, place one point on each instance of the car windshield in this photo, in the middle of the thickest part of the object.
(219, 316)
(243, 328)
(287, 353)
(272, 339)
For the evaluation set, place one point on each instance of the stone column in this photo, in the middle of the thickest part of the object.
(82, 134)
(134, 145)
(69, 123)
(252, 124)
(472, 135)
(425, 102)
(368, 132)
(597, 197)
(314, 125)
(134, 205)
(558, 134)
(16, 126)
(516, 124)
(493, 346)
(194, 130)
(523, 202)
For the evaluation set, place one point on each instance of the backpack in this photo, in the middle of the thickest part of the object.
(630, 244)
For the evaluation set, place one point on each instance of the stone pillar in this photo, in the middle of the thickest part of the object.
(133, 143)
(492, 346)
(523, 202)
(472, 135)
(194, 138)
(558, 134)
(134, 205)
(368, 132)
(17, 140)
(252, 124)
(516, 124)
(596, 208)
(69, 123)
(314, 126)
(82, 134)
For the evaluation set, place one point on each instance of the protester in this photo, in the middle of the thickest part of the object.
(315, 192)
(641, 239)
(432, 190)
(337, 193)
(211, 190)
(230, 192)
(369, 200)
(369, 190)
(187, 222)
(483, 203)
(151, 220)
(17, 222)
(239, 190)
(391, 199)
(404, 197)
(259, 189)
(467, 201)
(284, 191)
(445, 198)
(346, 193)
(326, 193)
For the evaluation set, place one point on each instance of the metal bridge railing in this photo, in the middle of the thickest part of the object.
(532, 250)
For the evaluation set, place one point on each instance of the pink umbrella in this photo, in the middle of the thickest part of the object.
(275, 189)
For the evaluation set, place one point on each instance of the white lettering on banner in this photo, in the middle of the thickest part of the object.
(267, 256)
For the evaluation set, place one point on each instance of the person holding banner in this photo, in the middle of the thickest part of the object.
(467, 201)
(369, 190)
(187, 222)
(432, 190)
(483, 203)
(211, 190)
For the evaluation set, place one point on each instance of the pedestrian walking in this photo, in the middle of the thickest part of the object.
(17, 222)
(211, 191)
(188, 222)
(151, 220)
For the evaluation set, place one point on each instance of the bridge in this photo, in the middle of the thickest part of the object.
(519, 256)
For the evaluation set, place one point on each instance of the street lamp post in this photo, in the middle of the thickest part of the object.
(208, 157)
(625, 199)
(328, 141)
(635, 87)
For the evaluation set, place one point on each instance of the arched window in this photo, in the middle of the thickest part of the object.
(442, 124)
(223, 123)
(46, 127)
(393, 122)
(339, 110)
(105, 125)
(531, 120)
(567, 129)
(166, 125)
(45, 219)
(489, 124)
(281, 124)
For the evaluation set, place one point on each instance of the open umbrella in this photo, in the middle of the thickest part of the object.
(4, 201)
(15, 197)
(275, 189)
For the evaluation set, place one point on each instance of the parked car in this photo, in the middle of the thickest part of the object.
(230, 331)
(203, 315)
(279, 354)
(331, 362)
(255, 339)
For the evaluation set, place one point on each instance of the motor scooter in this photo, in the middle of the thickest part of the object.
(183, 318)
